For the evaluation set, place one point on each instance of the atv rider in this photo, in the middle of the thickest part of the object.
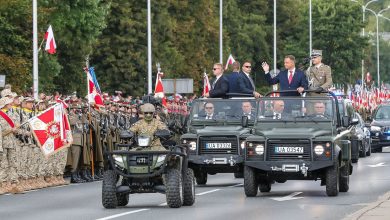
(148, 126)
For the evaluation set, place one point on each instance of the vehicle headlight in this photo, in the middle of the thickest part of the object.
(242, 144)
(161, 158)
(119, 160)
(192, 145)
(375, 128)
(319, 149)
(259, 149)
(143, 141)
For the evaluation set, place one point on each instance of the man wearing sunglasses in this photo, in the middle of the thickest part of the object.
(220, 85)
(245, 82)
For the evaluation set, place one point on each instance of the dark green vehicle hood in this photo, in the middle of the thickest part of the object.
(279, 133)
(222, 130)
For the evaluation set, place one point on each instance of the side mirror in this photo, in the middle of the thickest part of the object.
(369, 118)
(345, 121)
(244, 121)
(354, 121)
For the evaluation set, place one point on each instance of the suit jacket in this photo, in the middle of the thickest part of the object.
(251, 115)
(299, 80)
(233, 79)
(244, 84)
(220, 88)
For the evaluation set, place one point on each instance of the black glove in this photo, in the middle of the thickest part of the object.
(319, 90)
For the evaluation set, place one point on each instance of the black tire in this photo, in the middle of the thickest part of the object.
(332, 180)
(250, 182)
(123, 199)
(174, 188)
(239, 175)
(344, 178)
(189, 188)
(265, 187)
(109, 199)
(369, 150)
(201, 178)
(363, 147)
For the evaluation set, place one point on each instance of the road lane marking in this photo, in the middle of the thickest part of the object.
(288, 197)
(122, 214)
(378, 165)
(207, 192)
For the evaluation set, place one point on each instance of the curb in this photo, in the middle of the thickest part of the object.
(360, 213)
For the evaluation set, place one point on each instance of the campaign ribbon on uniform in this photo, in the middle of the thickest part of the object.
(7, 119)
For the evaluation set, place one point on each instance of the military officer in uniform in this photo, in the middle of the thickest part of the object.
(319, 75)
(148, 126)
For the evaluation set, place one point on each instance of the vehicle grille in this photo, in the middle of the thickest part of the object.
(272, 156)
(219, 139)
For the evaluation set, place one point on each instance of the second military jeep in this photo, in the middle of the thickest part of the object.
(216, 136)
(298, 138)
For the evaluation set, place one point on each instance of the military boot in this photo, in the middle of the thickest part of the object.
(98, 174)
(16, 188)
(85, 176)
(89, 173)
(2, 190)
(61, 180)
(75, 178)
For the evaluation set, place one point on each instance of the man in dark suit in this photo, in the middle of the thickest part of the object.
(209, 111)
(245, 82)
(289, 79)
(220, 85)
(233, 78)
(246, 107)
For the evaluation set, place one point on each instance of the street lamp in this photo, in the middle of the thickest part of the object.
(377, 14)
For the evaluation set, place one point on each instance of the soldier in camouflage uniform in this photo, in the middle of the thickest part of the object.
(148, 126)
(9, 161)
(319, 75)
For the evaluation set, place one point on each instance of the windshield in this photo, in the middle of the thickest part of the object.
(230, 110)
(383, 113)
(315, 109)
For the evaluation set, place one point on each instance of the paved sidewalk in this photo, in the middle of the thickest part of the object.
(378, 210)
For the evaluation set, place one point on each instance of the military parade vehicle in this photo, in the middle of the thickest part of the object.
(216, 135)
(133, 168)
(298, 138)
(379, 125)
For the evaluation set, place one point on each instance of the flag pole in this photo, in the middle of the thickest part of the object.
(35, 49)
(89, 123)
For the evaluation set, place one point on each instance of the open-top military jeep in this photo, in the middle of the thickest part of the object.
(216, 136)
(298, 138)
(132, 169)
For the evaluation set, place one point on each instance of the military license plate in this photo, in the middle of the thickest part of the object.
(142, 160)
(289, 150)
(218, 145)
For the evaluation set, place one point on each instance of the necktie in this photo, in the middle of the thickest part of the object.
(215, 81)
(290, 76)
(252, 83)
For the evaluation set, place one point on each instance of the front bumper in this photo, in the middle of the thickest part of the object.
(289, 166)
(218, 163)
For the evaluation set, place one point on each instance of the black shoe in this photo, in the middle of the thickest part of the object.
(89, 173)
(75, 178)
(99, 174)
(85, 176)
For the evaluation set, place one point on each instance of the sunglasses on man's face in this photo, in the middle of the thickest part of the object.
(215, 68)
(248, 67)
(148, 113)
(209, 107)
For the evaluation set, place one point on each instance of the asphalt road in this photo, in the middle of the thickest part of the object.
(222, 198)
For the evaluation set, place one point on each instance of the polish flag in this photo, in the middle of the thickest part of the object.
(50, 42)
(230, 61)
(159, 88)
(206, 84)
(94, 92)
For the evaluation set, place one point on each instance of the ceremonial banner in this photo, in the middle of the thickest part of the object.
(94, 93)
(51, 130)
(50, 42)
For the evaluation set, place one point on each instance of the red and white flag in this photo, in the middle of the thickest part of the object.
(94, 93)
(206, 84)
(230, 61)
(50, 42)
(159, 88)
(51, 130)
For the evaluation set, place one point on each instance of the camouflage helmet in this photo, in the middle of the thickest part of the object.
(148, 108)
